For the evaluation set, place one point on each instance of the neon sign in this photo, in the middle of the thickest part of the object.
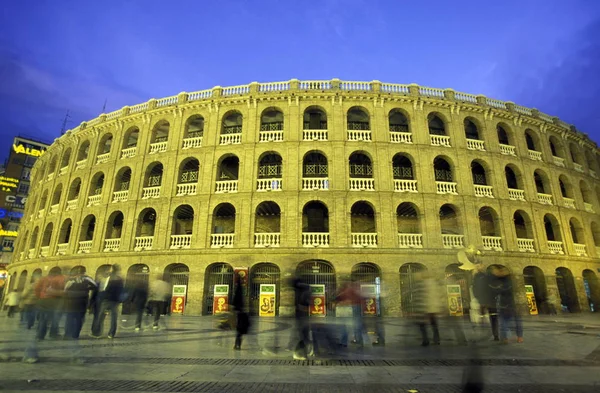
(20, 149)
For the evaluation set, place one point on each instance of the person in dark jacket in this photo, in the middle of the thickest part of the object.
(243, 321)
(485, 294)
(110, 302)
(76, 300)
(507, 308)
(139, 298)
(302, 301)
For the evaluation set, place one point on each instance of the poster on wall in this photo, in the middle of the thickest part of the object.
(242, 273)
(369, 300)
(178, 299)
(267, 300)
(221, 299)
(454, 300)
(317, 301)
(531, 303)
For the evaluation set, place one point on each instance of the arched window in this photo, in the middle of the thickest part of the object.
(37, 274)
(86, 234)
(553, 235)
(227, 174)
(194, 127)
(358, 119)
(33, 242)
(566, 190)
(531, 139)
(478, 173)
(56, 199)
(223, 226)
(315, 225)
(504, 138)
(556, 147)
(402, 167)
(513, 181)
(152, 181)
(130, 141)
(122, 182)
(105, 145)
(267, 225)
(144, 233)
(363, 225)
(443, 170)
(592, 289)
(47, 236)
(43, 202)
(451, 228)
(160, 132)
(231, 128)
(398, 121)
(490, 229)
(65, 232)
(436, 125)
(361, 168)
(318, 272)
(578, 237)
(182, 227)
(83, 152)
(114, 229)
(269, 167)
(471, 130)
(264, 274)
(595, 228)
(576, 157)
(315, 118)
(541, 182)
(271, 120)
(66, 158)
(97, 184)
(315, 171)
(189, 170)
(523, 231)
(409, 226)
(534, 276)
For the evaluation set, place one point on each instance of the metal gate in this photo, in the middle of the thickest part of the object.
(217, 274)
(177, 274)
(534, 276)
(457, 276)
(263, 273)
(368, 273)
(408, 280)
(136, 272)
(319, 272)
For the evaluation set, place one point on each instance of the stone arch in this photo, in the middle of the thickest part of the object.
(130, 138)
(523, 225)
(542, 182)
(409, 275)
(592, 289)
(362, 218)
(358, 118)
(534, 276)
(436, 124)
(264, 273)
(505, 135)
(443, 169)
(315, 118)
(532, 140)
(402, 166)
(567, 291)
(83, 151)
(160, 131)
(232, 123)
(219, 273)
(105, 143)
(472, 128)
(319, 272)
(194, 126)
(552, 228)
(271, 119)
(398, 120)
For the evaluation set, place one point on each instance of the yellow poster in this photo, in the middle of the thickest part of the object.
(454, 300)
(531, 303)
(266, 307)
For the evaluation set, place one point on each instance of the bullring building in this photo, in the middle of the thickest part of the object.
(328, 180)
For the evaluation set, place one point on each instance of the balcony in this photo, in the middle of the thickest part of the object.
(231, 139)
(525, 245)
(72, 204)
(31, 253)
(580, 250)
(569, 202)
(44, 251)
(558, 161)
(158, 147)
(268, 185)
(362, 184)
(315, 239)
(445, 187)
(483, 191)
(401, 137)
(192, 143)
(266, 239)
(223, 186)
(94, 200)
(475, 144)
(61, 248)
(102, 158)
(151, 192)
(180, 241)
(41, 213)
(120, 196)
(535, 155)
(493, 243)
(84, 247)
(51, 176)
(508, 150)
(593, 174)
(440, 140)
(270, 136)
(63, 170)
(578, 167)
(315, 183)
(54, 209)
(545, 199)
(128, 152)
(359, 135)
(222, 240)
(410, 240)
(588, 207)
(112, 245)
(555, 247)
(364, 240)
(453, 241)
(401, 185)
(516, 195)
(314, 135)
(187, 189)
(143, 243)
(81, 164)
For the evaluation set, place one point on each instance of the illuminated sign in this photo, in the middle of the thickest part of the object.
(7, 233)
(30, 151)
(8, 183)
(4, 213)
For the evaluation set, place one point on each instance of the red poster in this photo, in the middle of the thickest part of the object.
(242, 273)
(370, 306)
(177, 304)
(220, 304)
(317, 305)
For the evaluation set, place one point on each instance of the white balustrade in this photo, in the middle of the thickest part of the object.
(558, 161)
(495, 103)
(362, 184)
(44, 251)
(94, 200)
(114, 114)
(268, 185)
(475, 144)
(270, 136)
(593, 174)
(453, 241)
(167, 101)
(72, 204)
(102, 158)
(223, 186)
(200, 95)
(580, 250)
(112, 244)
(61, 248)
(31, 253)
(516, 195)
(555, 247)
(359, 135)
(192, 143)
(535, 155)
(523, 110)
(81, 164)
(315, 183)
(84, 246)
(364, 86)
(54, 209)
(588, 207)
(231, 139)
(187, 189)
(508, 150)
(273, 86)
(465, 97)
(483, 191)
(440, 140)
(63, 170)
(394, 88)
(366, 240)
(569, 202)
(525, 245)
(314, 135)
(315, 239)
(267, 239)
(314, 85)
(151, 192)
(446, 187)
(410, 240)
(431, 92)
(232, 90)
(403, 185)
(578, 167)
(218, 240)
(41, 213)
(492, 243)
(142, 243)
(158, 147)
(50, 176)
(138, 108)
(181, 241)
(120, 196)
(545, 199)
(129, 152)
(401, 137)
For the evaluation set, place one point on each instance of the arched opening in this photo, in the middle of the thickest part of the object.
(449, 221)
(264, 273)
(87, 228)
(217, 274)
(534, 276)
(471, 130)
(368, 276)
(223, 225)
(552, 228)
(503, 135)
(522, 224)
(43, 201)
(314, 164)
(315, 118)
(97, 184)
(592, 289)
(154, 174)
(402, 167)
(130, 140)
(489, 227)
(55, 271)
(66, 158)
(315, 217)
(360, 166)
(105, 144)
(47, 236)
(102, 273)
(160, 132)
(513, 181)
(586, 195)
(52, 166)
(478, 173)
(595, 228)
(541, 182)
(33, 241)
(271, 119)
(556, 147)
(123, 180)
(531, 140)
(232, 123)
(136, 274)
(194, 127)
(177, 274)
(398, 121)
(269, 167)
(436, 124)
(228, 169)
(442, 170)
(576, 155)
(83, 151)
(146, 223)
(567, 290)
(77, 269)
(592, 165)
(37, 274)
(22, 281)
(114, 228)
(362, 218)
(457, 276)
(183, 227)
(65, 231)
(407, 218)
(409, 273)
(74, 189)
(267, 225)
(565, 187)
(56, 196)
(188, 174)
(319, 272)
(577, 234)
(358, 119)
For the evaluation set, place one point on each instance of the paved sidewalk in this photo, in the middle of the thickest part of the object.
(560, 353)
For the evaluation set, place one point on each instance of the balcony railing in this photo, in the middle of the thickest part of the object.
(315, 239)
(51, 176)
(445, 187)
(94, 200)
(366, 240)
(588, 207)
(359, 135)
(84, 246)
(128, 152)
(267, 239)
(61, 248)
(158, 147)
(362, 184)
(142, 243)
(102, 158)
(151, 192)
(578, 167)
(492, 243)
(475, 144)
(569, 202)
(410, 240)
(223, 186)
(402, 185)
(31, 253)
(508, 150)
(400, 137)
(270, 136)
(580, 250)
(268, 185)
(558, 161)
(112, 245)
(440, 140)
(181, 241)
(525, 245)
(555, 247)
(545, 199)
(453, 241)
(63, 170)
(187, 189)
(535, 155)
(315, 183)
(219, 240)
(120, 196)
(192, 143)
(593, 174)
(231, 139)
(516, 194)
(483, 191)
(44, 251)
(81, 164)
(314, 135)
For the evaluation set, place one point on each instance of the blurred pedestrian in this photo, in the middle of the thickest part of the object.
(486, 296)
(76, 300)
(12, 302)
(139, 299)
(49, 290)
(158, 296)
(349, 295)
(302, 302)
(113, 290)
(427, 305)
(507, 308)
(242, 320)
(28, 305)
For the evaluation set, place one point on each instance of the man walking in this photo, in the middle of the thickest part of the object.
(77, 291)
(158, 296)
(110, 302)
(49, 291)
(486, 296)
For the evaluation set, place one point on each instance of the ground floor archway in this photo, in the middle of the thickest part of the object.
(320, 272)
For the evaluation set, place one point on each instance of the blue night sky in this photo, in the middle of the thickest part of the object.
(67, 54)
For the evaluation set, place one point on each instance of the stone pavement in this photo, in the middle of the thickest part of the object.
(188, 354)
